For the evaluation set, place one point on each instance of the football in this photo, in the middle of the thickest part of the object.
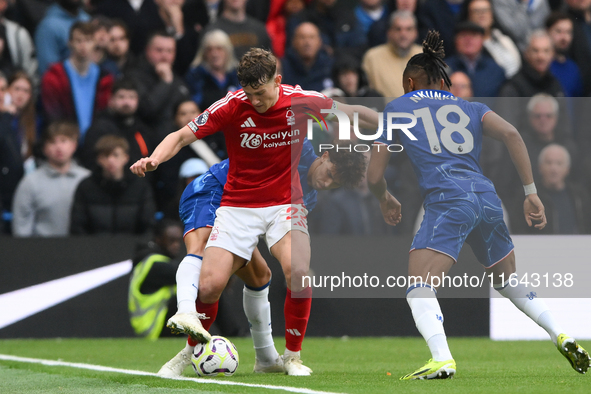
(218, 357)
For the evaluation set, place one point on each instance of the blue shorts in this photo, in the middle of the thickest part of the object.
(199, 201)
(476, 220)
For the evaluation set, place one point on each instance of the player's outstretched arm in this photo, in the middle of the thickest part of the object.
(498, 128)
(368, 118)
(169, 147)
(389, 205)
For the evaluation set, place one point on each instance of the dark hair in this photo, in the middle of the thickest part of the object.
(100, 22)
(177, 105)
(349, 167)
(158, 33)
(429, 64)
(86, 28)
(108, 143)
(121, 24)
(28, 115)
(165, 223)
(61, 127)
(555, 17)
(257, 67)
(123, 84)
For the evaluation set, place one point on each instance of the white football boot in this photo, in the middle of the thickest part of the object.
(189, 324)
(175, 367)
(294, 367)
(276, 366)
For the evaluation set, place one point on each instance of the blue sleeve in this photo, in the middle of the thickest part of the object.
(46, 46)
(308, 155)
(481, 109)
(383, 139)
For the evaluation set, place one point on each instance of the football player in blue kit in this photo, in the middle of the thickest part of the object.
(461, 204)
(197, 210)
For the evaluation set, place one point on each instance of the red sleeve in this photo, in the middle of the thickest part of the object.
(55, 95)
(103, 93)
(214, 118)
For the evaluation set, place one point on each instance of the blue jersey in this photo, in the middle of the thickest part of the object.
(307, 157)
(220, 172)
(446, 154)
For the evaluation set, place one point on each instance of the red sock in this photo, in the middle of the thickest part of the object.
(297, 312)
(210, 310)
(191, 341)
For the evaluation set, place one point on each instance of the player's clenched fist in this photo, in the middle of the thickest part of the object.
(144, 165)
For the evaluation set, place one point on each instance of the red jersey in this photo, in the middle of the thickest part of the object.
(264, 149)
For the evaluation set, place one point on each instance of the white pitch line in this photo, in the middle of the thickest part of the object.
(91, 367)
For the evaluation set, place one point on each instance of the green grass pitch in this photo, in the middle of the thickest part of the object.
(341, 365)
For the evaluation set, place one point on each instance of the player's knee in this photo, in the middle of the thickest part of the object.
(295, 279)
(261, 278)
(210, 291)
(266, 276)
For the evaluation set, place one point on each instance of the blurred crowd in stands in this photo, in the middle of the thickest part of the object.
(87, 87)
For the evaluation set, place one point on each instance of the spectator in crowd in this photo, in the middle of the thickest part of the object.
(158, 85)
(213, 72)
(167, 181)
(580, 49)
(279, 13)
(43, 199)
(260, 9)
(486, 75)
(535, 76)
(378, 31)
(213, 9)
(567, 205)
(461, 85)
(245, 32)
(369, 12)
(338, 26)
(350, 212)
(120, 118)
(18, 49)
(152, 287)
(560, 29)
(76, 89)
(184, 20)
(440, 15)
(519, 19)
(51, 36)
(306, 63)
(119, 59)
(11, 162)
(500, 46)
(101, 25)
(348, 76)
(544, 129)
(141, 17)
(23, 115)
(112, 200)
(384, 61)
(28, 13)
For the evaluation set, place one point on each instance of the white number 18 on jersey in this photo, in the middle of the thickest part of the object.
(448, 129)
